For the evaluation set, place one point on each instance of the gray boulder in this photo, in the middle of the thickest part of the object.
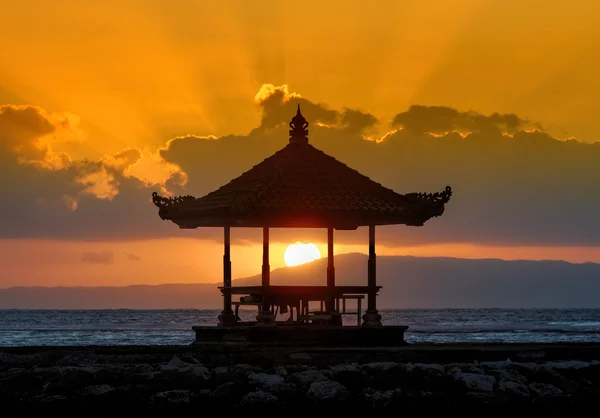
(259, 398)
(308, 377)
(328, 391)
(172, 397)
(97, 390)
(264, 379)
(545, 390)
(513, 388)
(476, 381)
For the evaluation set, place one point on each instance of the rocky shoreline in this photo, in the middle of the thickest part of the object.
(269, 381)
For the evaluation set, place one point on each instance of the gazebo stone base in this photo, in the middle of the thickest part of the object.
(303, 335)
(265, 319)
(371, 319)
(227, 318)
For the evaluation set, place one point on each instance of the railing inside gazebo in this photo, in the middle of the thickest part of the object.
(298, 299)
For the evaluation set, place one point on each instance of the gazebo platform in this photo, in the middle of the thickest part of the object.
(345, 336)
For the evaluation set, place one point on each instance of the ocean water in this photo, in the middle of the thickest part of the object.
(173, 327)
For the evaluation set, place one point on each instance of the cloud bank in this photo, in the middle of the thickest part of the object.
(513, 184)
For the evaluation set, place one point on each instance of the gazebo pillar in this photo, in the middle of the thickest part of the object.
(265, 317)
(330, 304)
(372, 318)
(227, 317)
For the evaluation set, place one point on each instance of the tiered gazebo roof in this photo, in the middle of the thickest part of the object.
(300, 186)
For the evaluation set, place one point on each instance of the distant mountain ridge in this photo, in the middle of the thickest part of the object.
(408, 282)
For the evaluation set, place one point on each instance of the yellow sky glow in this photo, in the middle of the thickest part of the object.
(140, 72)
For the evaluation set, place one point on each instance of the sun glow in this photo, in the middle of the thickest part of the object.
(300, 253)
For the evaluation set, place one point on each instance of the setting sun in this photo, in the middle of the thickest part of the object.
(300, 253)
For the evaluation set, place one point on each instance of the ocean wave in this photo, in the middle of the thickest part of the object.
(503, 331)
(576, 324)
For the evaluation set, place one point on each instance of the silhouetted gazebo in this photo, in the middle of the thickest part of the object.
(300, 187)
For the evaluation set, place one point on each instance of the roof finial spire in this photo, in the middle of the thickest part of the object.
(299, 131)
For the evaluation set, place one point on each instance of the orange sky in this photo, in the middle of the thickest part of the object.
(185, 260)
(91, 92)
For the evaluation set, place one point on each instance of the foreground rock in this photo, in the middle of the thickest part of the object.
(183, 383)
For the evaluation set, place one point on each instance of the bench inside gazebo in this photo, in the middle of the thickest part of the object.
(301, 187)
(297, 299)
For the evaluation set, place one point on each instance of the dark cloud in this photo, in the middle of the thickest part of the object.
(104, 257)
(82, 199)
(125, 158)
(19, 122)
(511, 185)
(356, 121)
(21, 129)
(132, 257)
(440, 119)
